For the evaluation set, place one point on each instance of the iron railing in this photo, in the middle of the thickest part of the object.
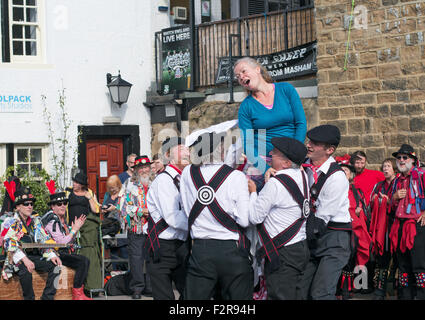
(258, 35)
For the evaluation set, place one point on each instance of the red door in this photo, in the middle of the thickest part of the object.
(104, 159)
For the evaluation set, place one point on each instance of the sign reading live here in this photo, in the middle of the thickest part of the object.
(281, 65)
(176, 60)
(15, 103)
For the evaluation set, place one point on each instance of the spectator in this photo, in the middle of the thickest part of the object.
(111, 224)
(157, 165)
(129, 172)
(82, 201)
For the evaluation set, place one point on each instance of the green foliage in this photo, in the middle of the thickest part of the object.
(36, 183)
(64, 156)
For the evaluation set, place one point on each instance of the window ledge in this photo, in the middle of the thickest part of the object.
(21, 65)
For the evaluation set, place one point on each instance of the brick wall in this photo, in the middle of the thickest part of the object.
(378, 101)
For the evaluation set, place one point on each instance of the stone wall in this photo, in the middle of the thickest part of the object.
(378, 101)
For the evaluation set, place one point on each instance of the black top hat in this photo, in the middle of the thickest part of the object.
(291, 148)
(406, 149)
(141, 161)
(80, 178)
(326, 133)
(58, 197)
(22, 195)
(170, 143)
(208, 142)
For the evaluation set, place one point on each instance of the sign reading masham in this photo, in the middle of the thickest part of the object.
(12, 103)
(176, 60)
(281, 65)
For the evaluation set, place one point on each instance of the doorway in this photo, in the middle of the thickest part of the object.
(104, 159)
(103, 151)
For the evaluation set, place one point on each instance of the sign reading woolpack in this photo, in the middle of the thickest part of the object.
(297, 61)
(15, 103)
(176, 59)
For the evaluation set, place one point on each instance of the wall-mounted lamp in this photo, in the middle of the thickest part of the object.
(119, 89)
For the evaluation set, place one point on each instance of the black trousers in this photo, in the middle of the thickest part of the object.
(78, 263)
(218, 264)
(25, 278)
(171, 268)
(136, 259)
(283, 284)
(411, 263)
(328, 256)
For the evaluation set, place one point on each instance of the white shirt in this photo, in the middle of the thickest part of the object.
(332, 203)
(164, 201)
(276, 207)
(232, 196)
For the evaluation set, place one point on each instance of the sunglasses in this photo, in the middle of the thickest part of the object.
(26, 204)
(403, 157)
(61, 203)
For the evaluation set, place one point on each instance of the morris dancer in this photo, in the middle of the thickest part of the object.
(167, 225)
(360, 254)
(24, 227)
(280, 211)
(55, 225)
(408, 230)
(381, 222)
(215, 198)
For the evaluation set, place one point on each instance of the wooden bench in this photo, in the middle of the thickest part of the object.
(11, 289)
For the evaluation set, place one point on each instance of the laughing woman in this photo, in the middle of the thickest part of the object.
(273, 107)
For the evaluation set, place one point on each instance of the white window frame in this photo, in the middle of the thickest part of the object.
(40, 33)
(44, 153)
(3, 159)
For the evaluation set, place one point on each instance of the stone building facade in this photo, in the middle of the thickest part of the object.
(378, 100)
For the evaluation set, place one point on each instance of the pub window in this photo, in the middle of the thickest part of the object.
(29, 159)
(21, 30)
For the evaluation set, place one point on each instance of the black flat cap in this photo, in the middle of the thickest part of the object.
(293, 149)
(326, 133)
(406, 149)
(171, 142)
(207, 142)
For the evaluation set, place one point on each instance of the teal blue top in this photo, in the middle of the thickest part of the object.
(285, 119)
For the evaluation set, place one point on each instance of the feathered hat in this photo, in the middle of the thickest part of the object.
(344, 161)
(55, 197)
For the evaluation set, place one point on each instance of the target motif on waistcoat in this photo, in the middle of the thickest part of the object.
(306, 208)
(206, 195)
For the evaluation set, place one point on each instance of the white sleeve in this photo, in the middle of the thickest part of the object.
(18, 256)
(241, 197)
(184, 191)
(261, 204)
(166, 200)
(333, 197)
(51, 255)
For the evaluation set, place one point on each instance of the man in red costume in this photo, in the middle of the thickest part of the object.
(365, 179)
(408, 230)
